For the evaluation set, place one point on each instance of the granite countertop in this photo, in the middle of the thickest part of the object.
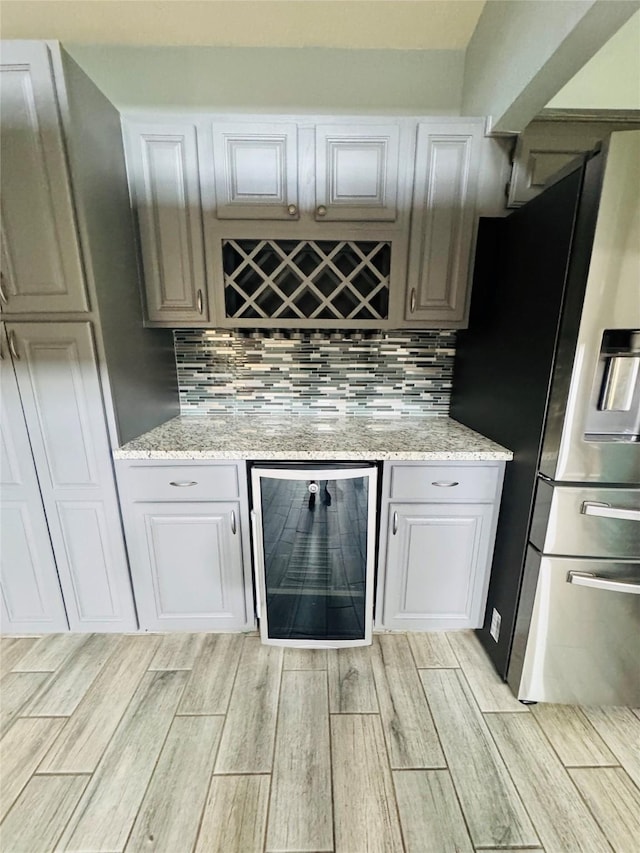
(298, 438)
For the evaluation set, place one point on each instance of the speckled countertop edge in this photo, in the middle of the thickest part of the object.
(297, 438)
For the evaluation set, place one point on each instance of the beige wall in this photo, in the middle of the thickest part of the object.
(367, 24)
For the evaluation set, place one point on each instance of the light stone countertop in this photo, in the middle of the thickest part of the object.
(298, 438)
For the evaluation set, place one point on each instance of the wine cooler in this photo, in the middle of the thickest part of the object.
(314, 532)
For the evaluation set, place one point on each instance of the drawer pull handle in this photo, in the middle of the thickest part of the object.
(182, 483)
(607, 511)
(445, 484)
(233, 523)
(395, 523)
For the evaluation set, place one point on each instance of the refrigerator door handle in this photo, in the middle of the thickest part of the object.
(605, 510)
(589, 579)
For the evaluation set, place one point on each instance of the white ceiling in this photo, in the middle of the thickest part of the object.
(359, 24)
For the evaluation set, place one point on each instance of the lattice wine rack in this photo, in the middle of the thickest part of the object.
(306, 279)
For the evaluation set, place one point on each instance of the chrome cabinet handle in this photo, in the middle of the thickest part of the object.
(321, 211)
(234, 527)
(3, 295)
(292, 210)
(604, 510)
(394, 528)
(445, 484)
(12, 345)
(589, 579)
(199, 301)
(183, 483)
(412, 300)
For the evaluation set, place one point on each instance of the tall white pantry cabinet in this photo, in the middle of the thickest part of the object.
(80, 374)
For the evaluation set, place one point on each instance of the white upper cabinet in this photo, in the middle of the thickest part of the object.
(165, 190)
(41, 264)
(356, 172)
(256, 170)
(443, 222)
(340, 172)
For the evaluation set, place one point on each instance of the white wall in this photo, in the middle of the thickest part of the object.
(521, 54)
(611, 79)
(276, 79)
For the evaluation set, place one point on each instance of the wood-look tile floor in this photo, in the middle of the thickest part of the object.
(213, 742)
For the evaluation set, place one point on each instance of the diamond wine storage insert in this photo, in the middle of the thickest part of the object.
(323, 280)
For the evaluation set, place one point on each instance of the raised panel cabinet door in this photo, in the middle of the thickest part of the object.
(41, 264)
(436, 564)
(357, 172)
(442, 223)
(186, 564)
(163, 172)
(256, 170)
(61, 396)
(31, 595)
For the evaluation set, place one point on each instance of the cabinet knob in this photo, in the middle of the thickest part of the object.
(412, 300)
(12, 345)
(292, 210)
(199, 301)
(321, 210)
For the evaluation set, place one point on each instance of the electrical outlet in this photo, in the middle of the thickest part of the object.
(496, 619)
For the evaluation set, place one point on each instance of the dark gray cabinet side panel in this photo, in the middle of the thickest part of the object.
(140, 362)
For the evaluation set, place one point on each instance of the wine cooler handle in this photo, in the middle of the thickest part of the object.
(256, 588)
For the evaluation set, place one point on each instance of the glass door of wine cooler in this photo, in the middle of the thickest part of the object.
(314, 547)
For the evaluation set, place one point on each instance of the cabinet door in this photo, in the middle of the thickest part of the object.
(442, 224)
(41, 266)
(31, 596)
(256, 170)
(357, 172)
(436, 566)
(186, 563)
(163, 172)
(60, 392)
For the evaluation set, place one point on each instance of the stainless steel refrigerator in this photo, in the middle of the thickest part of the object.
(550, 367)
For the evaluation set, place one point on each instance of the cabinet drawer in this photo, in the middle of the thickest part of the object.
(179, 482)
(450, 483)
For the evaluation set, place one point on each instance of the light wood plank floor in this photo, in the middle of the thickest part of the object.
(198, 743)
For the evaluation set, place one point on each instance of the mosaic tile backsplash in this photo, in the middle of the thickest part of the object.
(314, 373)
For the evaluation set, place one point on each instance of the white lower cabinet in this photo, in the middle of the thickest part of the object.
(31, 597)
(436, 545)
(58, 390)
(187, 534)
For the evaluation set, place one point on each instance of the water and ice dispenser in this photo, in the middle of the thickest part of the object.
(614, 414)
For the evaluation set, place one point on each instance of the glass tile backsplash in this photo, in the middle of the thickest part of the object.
(309, 372)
